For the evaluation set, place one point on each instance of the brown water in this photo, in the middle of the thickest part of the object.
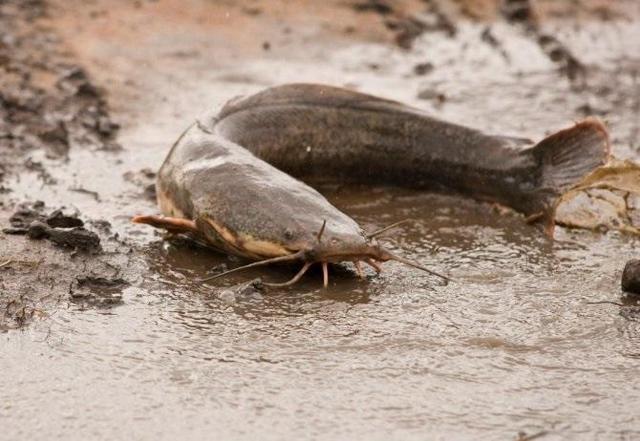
(513, 345)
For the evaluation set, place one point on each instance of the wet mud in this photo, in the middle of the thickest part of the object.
(107, 330)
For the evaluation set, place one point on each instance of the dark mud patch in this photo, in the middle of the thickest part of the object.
(46, 101)
(48, 106)
(97, 290)
(408, 28)
(28, 212)
(405, 26)
(60, 227)
(378, 6)
(524, 14)
(77, 238)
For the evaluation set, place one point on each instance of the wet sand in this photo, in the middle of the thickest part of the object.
(124, 342)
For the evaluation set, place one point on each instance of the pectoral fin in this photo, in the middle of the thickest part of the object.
(175, 225)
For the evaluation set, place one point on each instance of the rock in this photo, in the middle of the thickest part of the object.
(422, 68)
(631, 276)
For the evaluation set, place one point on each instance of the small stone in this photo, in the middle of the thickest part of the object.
(631, 276)
(228, 296)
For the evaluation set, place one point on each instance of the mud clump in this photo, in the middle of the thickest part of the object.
(58, 219)
(78, 238)
(631, 277)
(26, 213)
(378, 6)
(423, 68)
(29, 212)
(23, 216)
(61, 228)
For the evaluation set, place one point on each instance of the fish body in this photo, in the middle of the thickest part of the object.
(314, 131)
(235, 177)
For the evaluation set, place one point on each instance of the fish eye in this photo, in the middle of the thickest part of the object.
(288, 234)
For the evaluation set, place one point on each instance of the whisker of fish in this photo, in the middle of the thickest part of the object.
(293, 280)
(387, 228)
(373, 264)
(413, 264)
(324, 224)
(288, 258)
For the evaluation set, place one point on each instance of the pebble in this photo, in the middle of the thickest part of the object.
(631, 277)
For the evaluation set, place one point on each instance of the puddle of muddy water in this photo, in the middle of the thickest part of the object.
(512, 345)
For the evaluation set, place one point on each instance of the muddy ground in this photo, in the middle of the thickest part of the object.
(106, 330)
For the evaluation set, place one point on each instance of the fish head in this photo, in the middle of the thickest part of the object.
(339, 239)
(342, 242)
(336, 243)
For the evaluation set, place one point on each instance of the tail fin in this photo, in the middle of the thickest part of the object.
(565, 158)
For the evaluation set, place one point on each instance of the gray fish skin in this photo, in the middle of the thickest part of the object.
(265, 212)
(231, 172)
(322, 132)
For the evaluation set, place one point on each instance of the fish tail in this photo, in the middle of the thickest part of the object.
(564, 159)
